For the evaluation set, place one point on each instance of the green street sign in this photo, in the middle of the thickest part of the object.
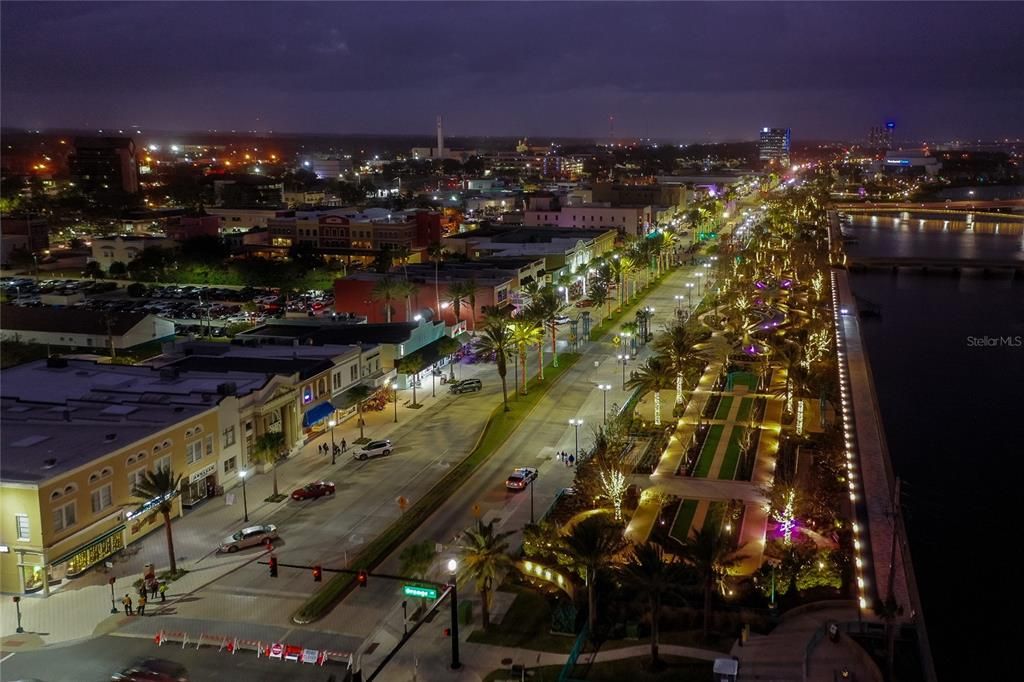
(419, 591)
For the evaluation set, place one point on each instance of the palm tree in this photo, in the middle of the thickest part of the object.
(599, 296)
(470, 289)
(676, 346)
(401, 254)
(457, 294)
(162, 485)
(497, 339)
(654, 376)
(615, 274)
(652, 575)
(709, 552)
(436, 254)
(485, 555)
(405, 289)
(525, 333)
(410, 365)
(447, 346)
(267, 448)
(387, 290)
(592, 543)
(360, 393)
(547, 306)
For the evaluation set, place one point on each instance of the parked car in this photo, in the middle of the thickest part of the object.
(263, 534)
(152, 670)
(465, 386)
(584, 303)
(375, 448)
(520, 478)
(312, 491)
(561, 319)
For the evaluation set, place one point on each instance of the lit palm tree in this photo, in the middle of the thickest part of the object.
(485, 556)
(457, 295)
(653, 376)
(267, 448)
(161, 484)
(599, 296)
(387, 290)
(676, 345)
(470, 289)
(360, 393)
(497, 339)
(525, 333)
(547, 306)
(711, 555)
(653, 576)
(448, 346)
(436, 254)
(592, 543)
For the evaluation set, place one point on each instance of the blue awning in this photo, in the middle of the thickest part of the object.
(317, 414)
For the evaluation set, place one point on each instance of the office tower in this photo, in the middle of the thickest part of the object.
(774, 146)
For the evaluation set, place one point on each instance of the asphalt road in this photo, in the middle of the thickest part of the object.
(97, 659)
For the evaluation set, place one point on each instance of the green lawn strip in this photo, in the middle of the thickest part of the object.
(609, 323)
(732, 455)
(684, 517)
(676, 669)
(713, 519)
(499, 427)
(723, 407)
(743, 414)
(744, 379)
(707, 453)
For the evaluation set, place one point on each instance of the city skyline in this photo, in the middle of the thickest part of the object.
(827, 72)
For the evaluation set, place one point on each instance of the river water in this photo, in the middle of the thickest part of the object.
(947, 355)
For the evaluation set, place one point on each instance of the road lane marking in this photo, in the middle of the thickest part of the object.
(7, 656)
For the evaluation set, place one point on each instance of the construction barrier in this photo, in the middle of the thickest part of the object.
(275, 650)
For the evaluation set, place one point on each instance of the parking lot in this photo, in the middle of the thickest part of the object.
(212, 308)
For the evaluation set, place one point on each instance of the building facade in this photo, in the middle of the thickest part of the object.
(101, 165)
(774, 146)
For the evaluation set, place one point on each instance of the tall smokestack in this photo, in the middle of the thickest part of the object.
(440, 139)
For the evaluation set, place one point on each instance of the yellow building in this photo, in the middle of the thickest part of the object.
(68, 473)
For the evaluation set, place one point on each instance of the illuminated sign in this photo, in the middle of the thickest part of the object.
(145, 507)
(419, 591)
(898, 162)
(202, 473)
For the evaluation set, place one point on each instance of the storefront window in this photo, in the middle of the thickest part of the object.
(95, 553)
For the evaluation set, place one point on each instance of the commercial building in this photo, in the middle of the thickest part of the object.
(102, 165)
(297, 198)
(124, 248)
(909, 162)
(188, 227)
(246, 218)
(652, 194)
(31, 234)
(78, 328)
(880, 137)
(774, 146)
(560, 248)
(249, 191)
(329, 167)
(630, 220)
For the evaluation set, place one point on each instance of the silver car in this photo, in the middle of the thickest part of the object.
(249, 537)
(373, 449)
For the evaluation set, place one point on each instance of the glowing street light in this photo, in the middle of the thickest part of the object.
(604, 388)
(577, 423)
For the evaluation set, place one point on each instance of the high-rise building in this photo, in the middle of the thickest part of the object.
(774, 146)
(880, 137)
(102, 165)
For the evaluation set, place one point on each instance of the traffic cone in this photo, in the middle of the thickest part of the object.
(158, 638)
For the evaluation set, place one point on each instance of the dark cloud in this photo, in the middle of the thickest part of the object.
(684, 70)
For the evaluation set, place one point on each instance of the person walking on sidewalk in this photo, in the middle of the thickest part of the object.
(154, 585)
(127, 602)
(163, 591)
(142, 605)
(344, 445)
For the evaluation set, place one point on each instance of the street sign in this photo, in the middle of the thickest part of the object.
(276, 651)
(420, 591)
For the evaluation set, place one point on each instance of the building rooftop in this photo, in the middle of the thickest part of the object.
(72, 320)
(527, 235)
(41, 440)
(332, 335)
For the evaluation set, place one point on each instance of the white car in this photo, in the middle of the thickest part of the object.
(249, 537)
(562, 319)
(520, 478)
(375, 448)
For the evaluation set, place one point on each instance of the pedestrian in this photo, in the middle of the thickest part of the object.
(142, 604)
(572, 460)
(142, 591)
(163, 591)
(153, 587)
(344, 445)
(566, 460)
(127, 601)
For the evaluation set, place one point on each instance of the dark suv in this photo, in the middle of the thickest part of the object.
(466, 386)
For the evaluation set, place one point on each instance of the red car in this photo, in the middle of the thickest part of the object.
(312, 491)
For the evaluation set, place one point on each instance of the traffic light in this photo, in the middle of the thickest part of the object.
(361, 578)
(318, 574)
(273, 566)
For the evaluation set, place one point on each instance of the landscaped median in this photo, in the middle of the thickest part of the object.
(499, 427)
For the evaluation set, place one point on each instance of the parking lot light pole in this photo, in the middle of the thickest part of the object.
(334, 451)
(577, 423)
(394, 387)
(453, 566)
(604, 388)
(245, 502)
(531, 497)
(622, 358)
(113, 600)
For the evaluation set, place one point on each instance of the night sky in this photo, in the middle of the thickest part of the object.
(680, 71)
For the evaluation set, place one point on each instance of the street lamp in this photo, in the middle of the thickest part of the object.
(689, 295)
(113, 600)
(679, 300)
(532, 483)
(604, 388)
(334, 451)
(245, 501)
(577, 423)
(453, 566)
(565, 290)
(622, 358)
(394, 387)
(699, 277)
(17, 605)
